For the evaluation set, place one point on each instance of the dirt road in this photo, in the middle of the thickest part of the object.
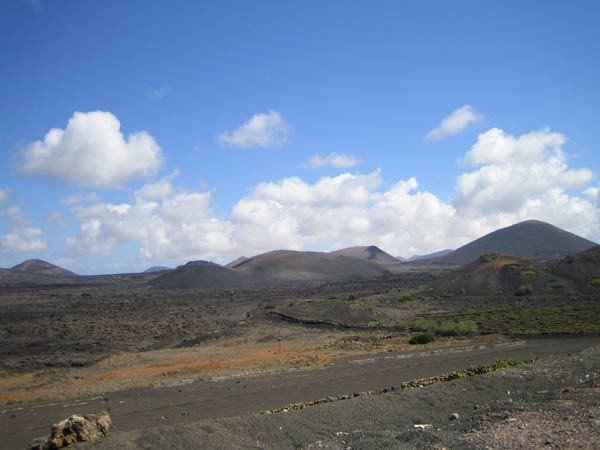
(235, 396)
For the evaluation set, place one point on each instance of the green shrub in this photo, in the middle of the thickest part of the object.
(596, 282)
(528, 273)
(423, 338)
(513, 266)
(335, 300)
(558, 284)
(524, 289)
(423, 324)
(505, 363)
(406, 298)
(457, 328)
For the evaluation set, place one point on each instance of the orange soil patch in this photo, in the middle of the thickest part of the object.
(225, 357)
(497, 264)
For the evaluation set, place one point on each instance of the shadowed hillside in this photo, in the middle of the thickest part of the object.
(583, 269)
(310, 267)
(201, 275)
(497, 274)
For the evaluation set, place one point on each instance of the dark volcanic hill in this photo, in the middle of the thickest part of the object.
(530, 239)
(39, 267)
(582, 269)
(236, 262)
(437, 254)
(310, 267)
(202, 275)
(497, 274)
(155, 269)
(368, 253)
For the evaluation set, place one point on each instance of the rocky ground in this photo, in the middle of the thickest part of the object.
(553, 403)
(61, 342)
(77, 325)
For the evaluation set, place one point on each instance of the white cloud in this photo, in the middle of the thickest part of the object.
(455, 123)
(23, 239)
(262, 130)
(74, 199)
(4, 193)
(511, 178)
(21, 236)
(339, 161)
(92, 152)
(168, 223)
(157, 94)
(512, 171)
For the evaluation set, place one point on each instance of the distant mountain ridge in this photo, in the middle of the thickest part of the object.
(40, 267)
(437, 254)
(155, 269)
(532, 239)
(276, 268)
(368, 253)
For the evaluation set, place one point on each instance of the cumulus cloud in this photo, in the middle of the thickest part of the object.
(262, 130)
(21, 235)
(507, 179)
(92, 152)
(455, 123)
(339, 161)
(167, 222)
(24, 239)
(510, 172)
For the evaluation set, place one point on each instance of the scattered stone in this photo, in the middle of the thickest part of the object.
(454, 416)
(89, 427)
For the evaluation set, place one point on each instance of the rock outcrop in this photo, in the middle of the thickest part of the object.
(89, 427)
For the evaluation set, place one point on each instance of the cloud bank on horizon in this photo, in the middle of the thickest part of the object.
(506, 179)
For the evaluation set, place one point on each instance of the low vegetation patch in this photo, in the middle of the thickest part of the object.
(514, 267)
(528, 273)
(445, 327)
(457, 328)
(406, 298)
(524, 289)
(558, 284)
(528, 320)
(422, 338)
(335, 300)
(596, 282)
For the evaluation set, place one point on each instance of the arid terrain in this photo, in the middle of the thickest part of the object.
(161, 359)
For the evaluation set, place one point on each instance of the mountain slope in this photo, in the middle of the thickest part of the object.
(201, 275)
(582, 269)
(235, 262)
(309, 267)
(39, 267)
(530, 239)
(496, 274)
(437, 254)
(368, 253)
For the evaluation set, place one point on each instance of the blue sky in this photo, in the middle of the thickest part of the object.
(367, 81)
